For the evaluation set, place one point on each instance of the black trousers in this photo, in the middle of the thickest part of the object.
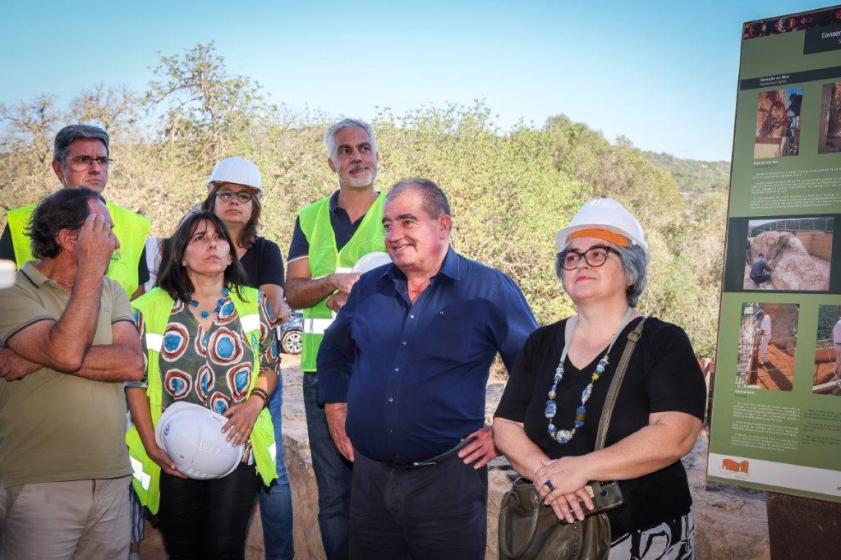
(434, 512)
(207, 519)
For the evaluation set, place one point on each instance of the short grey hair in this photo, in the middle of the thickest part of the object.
(69, 134)
(330, 134)
(435, 201)
(635, 264)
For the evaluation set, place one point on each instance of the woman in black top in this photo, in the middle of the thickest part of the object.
(233, 194)
(548, 417)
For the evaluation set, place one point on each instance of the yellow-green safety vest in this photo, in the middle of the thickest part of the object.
(130, 229)
(325, 259)
(156, 307)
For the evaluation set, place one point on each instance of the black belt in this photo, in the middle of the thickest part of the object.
(411, 465)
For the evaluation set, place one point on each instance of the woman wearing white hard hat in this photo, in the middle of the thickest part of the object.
(549, 416)
(233, 194)
(234, 191)
(208, 342)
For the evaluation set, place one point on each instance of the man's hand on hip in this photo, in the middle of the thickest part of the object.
(336, 418)
(481, 449)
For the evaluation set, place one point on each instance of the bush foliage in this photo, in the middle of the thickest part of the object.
(510, 190)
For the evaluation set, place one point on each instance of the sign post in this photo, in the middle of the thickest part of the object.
(776, 415)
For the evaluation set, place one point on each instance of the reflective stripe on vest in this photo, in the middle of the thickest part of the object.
(325, 259)
(156, 307)
(130, 229)
(154, 341)
(143, 478)
(316, 326)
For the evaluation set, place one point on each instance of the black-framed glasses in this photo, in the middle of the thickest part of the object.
(226, 195)
(80, 163)
(594, 256)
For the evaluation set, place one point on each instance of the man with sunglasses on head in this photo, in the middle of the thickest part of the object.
(81, 159)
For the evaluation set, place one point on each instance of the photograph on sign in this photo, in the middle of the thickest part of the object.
(768, 338)
(790, 253)
(827, 379)
(829, 140)
(778, 123)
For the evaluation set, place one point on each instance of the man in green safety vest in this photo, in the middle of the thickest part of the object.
(81, 158)
(330, 236)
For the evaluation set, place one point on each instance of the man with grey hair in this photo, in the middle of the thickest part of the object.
(81, 159)
(330, 236)
(403, 371)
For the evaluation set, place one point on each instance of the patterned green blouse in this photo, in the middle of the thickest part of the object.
(210, 368)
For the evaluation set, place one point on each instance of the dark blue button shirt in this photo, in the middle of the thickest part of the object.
(414, 376)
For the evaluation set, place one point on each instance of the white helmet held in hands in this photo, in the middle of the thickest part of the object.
(192, 437)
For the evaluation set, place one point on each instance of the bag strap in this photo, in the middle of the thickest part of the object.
(616, 384)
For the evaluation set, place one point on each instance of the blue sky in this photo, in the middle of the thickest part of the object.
(662, 73)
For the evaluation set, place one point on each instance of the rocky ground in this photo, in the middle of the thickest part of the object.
(730, 522)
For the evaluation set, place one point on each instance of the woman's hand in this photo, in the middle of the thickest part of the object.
(570, 507)
(280, 311)
(241, 418)
(560, 483)
(164, 461)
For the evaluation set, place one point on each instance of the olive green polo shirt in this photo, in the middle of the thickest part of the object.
(56, 426)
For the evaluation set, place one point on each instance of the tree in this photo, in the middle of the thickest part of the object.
(26, 144)
(115, 109)
(202, 102)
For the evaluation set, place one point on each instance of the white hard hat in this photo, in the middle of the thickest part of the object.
(371, 261)
(237, 170)
(604, 213)
(192, 436)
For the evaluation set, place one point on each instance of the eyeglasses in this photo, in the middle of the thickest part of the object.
(80, 163)
(242, 196)
(594, 256)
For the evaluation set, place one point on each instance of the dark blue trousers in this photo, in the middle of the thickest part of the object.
(433, 512)
(332, 475)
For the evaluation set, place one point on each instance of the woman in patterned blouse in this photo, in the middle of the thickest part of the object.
(206, 359)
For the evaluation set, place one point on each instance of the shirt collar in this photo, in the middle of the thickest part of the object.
(35, 276)
(334, 202)
(450, 267)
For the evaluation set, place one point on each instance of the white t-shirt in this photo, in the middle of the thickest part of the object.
(153, 261)
(836, 332)
(765, 325)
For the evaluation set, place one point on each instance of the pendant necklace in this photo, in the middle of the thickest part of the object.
(564, 436)
(204, 314)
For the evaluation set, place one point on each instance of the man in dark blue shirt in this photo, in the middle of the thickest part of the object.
(403, 371)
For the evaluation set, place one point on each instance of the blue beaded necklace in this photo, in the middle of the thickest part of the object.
(204, 314)
(564, 436)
